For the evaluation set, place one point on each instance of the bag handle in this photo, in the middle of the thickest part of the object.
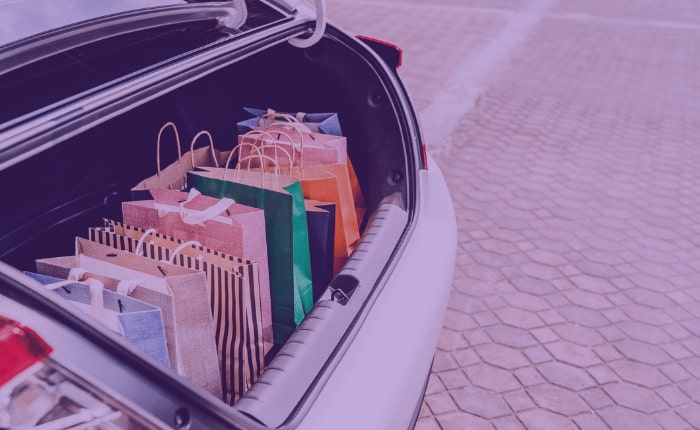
(273, 159)
(211, 145)
(195, 217)
(298, 128)
(182, 246)
(168, 124)
(260, 140)
(139, 245)
(124, 287)
(237, 168)
(96, 289)
(286, 118)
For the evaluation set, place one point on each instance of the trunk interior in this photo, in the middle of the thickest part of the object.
(56, 195)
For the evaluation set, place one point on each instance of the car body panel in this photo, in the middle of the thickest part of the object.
(381, 377)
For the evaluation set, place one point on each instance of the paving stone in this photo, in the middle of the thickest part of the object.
(677, 351)
(424, 411)
(566, 376)
(466, 357)
(669, 420)
(491, 377)
(460, 421)
(602, 374)
(544, 335)
(540, 419)
(476, 337)
(678, 332)
(691, 388)
(582, 316)
(647, 315)
(648, 298)
(557, 399)
(634, 397)
(525, 301)
(644, 332)
(675, 372)
(537, 354)
(620, 418)
(519, 400)
(443, 361)
(692, 365)
(427, 423)
(485, 319)
(551, 317)
(592, 283)
(441, 403)
(607, 352)
(511, 336)
(450, 341)
(577, 334)
(458, 321)
(612, 334)
(528, 376)
(434, 384)
(573, 354)
(596, 398)
(588, 300)
(528, 284)
(507, 423)
(481, 403)
(502, 356)
(589, 421)
(452, 379)
(690, 413)
(642, 352)
(673, 395)
(519, 318)
(639, 373)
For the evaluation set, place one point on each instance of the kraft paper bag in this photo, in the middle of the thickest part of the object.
(234, 297)
(180, 293)
(174, 176)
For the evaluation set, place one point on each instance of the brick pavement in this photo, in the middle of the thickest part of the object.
(575, 177)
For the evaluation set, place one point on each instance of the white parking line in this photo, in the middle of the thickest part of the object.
(441, 118)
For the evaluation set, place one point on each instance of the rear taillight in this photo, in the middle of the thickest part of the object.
(21, 348)
(392, 54)
(38, 393)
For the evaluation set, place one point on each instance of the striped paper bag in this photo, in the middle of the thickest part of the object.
(234, 297)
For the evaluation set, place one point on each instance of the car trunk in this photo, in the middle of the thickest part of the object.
(56, 194)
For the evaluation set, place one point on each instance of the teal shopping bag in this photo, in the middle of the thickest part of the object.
(289, 262)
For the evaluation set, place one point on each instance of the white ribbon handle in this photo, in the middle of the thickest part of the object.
(193, 217)
(139, 245)
(182, 246)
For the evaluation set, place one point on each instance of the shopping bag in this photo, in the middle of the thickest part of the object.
(138, 322)
(219, 224)
(282, 200)
(320, 218)
(326, 123)
(234, 297)
(173, 176)
(317, 149)
(330, 183)
(180, 293)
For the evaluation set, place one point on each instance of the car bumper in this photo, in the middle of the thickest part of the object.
(381, 377)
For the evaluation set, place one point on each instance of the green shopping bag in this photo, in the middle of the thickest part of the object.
(289, 262)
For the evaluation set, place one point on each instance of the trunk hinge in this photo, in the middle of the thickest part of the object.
(318, 31)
